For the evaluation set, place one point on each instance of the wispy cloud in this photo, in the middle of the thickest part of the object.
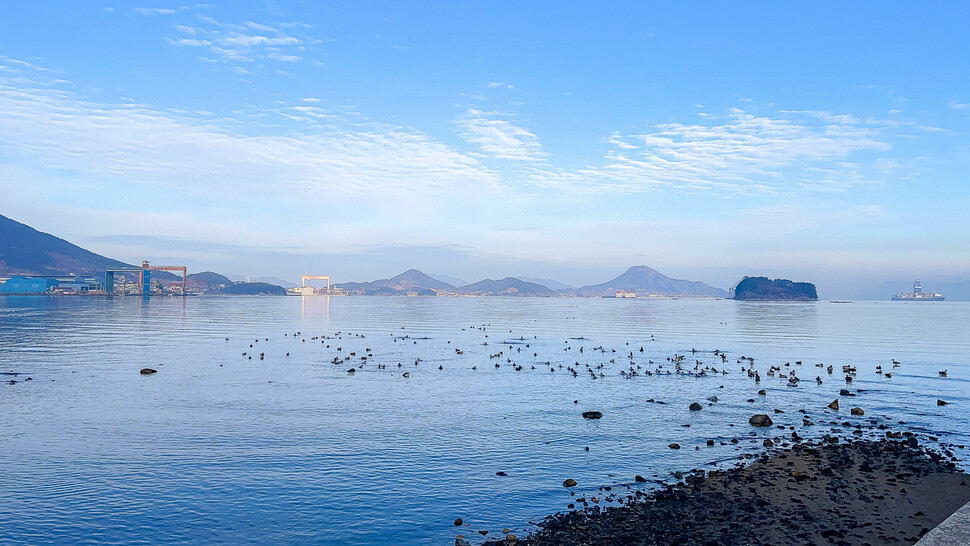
(497, 137)
(151, 12)
(243, 42)
(51, 127)
(737, 153)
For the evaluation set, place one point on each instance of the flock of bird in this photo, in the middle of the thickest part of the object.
(521, 354)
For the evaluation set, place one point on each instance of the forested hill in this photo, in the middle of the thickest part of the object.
(26, 251)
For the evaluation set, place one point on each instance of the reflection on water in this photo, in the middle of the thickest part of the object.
(789, 322)
(261, 438)
(315, 310)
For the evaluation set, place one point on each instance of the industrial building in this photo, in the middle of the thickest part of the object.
(49, 284)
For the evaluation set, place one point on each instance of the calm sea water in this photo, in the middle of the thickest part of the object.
(218, 447)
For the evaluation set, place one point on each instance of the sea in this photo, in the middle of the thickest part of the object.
(382, 420)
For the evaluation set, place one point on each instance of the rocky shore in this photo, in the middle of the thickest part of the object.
(889, 491)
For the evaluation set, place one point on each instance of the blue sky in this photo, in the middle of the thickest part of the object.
(825, 142)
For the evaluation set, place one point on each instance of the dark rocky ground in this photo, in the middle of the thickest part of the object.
(876, 492)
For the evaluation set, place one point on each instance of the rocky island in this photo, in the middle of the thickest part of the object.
(765, 289)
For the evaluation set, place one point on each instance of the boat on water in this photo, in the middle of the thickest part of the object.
(918, 295)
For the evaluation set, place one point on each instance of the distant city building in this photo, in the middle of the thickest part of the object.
(626, 294)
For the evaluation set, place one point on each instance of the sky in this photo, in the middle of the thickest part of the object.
(827, 142)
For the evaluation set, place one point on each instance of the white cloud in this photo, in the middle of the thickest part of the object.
(247, 42)
(52, 129)
(497, 137)
(745, 153)
(151, 12)
(500, 85)
(959, 106)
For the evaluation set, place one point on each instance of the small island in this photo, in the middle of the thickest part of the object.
(765, 289)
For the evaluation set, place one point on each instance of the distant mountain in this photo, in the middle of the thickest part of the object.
(453, 281)
(548, 283)
(509, 286)
(276, 281)
(411, 280)
(646, 281)
(953, 291)
(208, 280)
(765, 289)
(26, 251)
(252, 289)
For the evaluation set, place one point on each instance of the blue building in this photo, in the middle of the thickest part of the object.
(26, 285)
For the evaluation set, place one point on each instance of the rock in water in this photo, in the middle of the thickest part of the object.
(569, 483)
(941, 403)
(857, 411)
(511, 539)
(592, 414)
(147, 371)
(835, 404)
(760, 420)
(695, 407)
(458, 522)
(674, 446)
(639, 479)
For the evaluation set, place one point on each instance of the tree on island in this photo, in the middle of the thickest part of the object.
(765, 289)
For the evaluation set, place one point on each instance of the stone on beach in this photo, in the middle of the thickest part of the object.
(760, 420)
(785, 498)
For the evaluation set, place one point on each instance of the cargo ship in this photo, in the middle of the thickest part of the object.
(918, 295)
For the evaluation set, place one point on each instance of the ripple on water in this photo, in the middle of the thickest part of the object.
(220, 448)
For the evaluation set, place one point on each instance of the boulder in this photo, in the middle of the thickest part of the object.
(835, 404)
(147, 371)
(760, 420)
(639, 479)
(768, 442)
(674, 446)
(695, 407)
(458, 522)
(592, 414)
(938, 402)
(569, 483)
(763, 392)
(857, 411)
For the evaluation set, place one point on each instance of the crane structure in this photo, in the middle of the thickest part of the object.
(144, 276)
(146, 267)
(315, 278)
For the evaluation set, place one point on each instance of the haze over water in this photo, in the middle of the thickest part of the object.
(218, 447)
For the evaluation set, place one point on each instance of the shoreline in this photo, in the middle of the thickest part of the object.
(883, 491)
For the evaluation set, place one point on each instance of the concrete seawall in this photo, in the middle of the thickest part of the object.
(954, 531)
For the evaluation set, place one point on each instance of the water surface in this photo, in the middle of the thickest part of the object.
(221, 447)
